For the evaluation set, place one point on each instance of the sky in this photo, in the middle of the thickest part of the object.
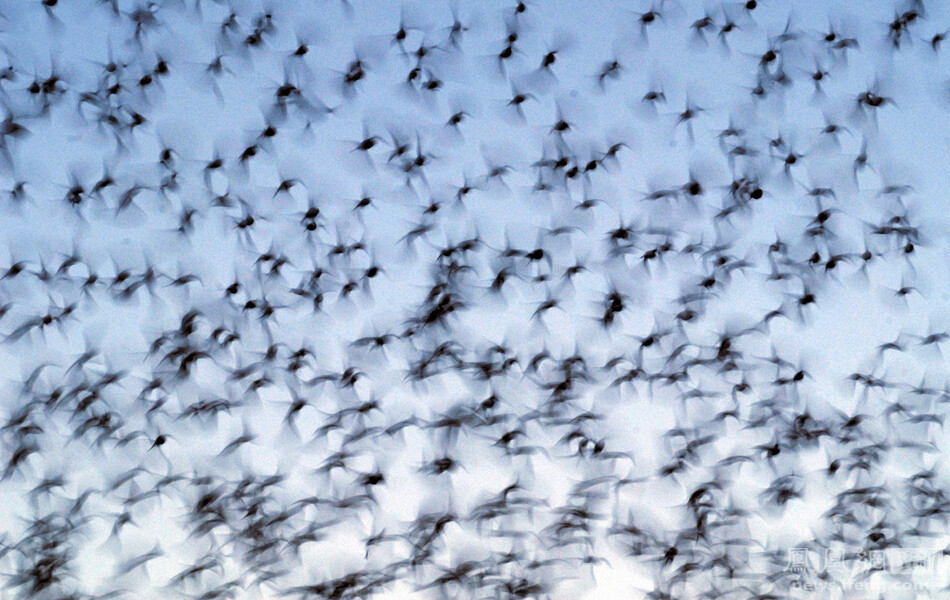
(645, 153)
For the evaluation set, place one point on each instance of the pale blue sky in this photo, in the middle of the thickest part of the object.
(909, 144)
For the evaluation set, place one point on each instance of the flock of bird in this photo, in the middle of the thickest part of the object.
(520, 299)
